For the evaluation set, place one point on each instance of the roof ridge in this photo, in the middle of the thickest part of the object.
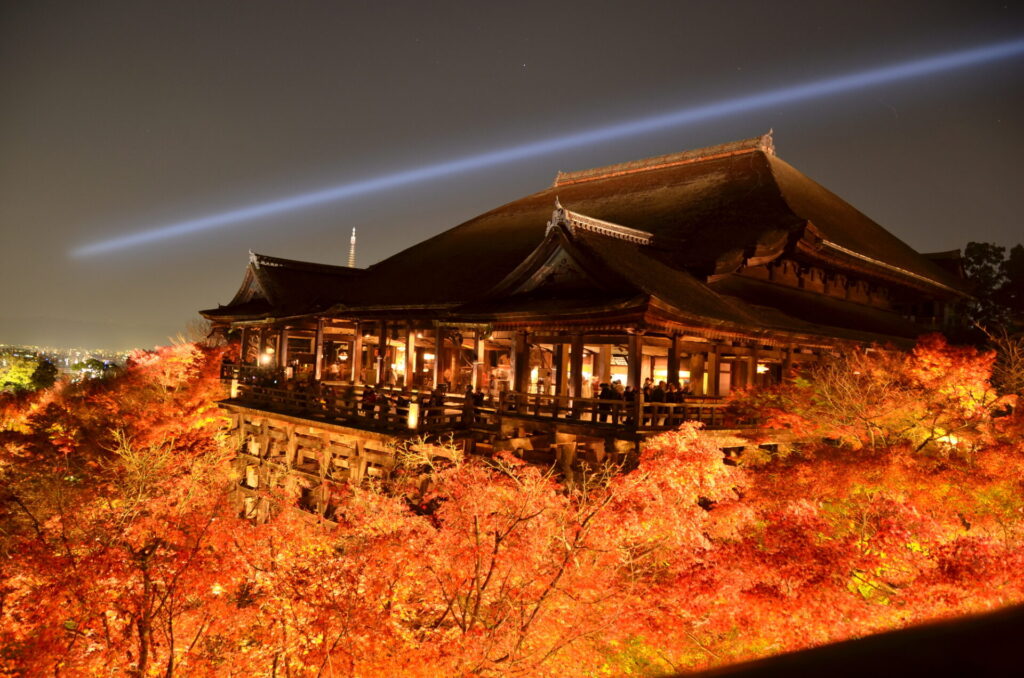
(763, 143)
(264, 260)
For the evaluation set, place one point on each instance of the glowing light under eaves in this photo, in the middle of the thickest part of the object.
(686, 116)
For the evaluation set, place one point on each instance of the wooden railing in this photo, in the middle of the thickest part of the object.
(413, 411)
(395, 409)
(637, 415)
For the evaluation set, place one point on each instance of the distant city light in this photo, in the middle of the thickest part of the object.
(687, 116)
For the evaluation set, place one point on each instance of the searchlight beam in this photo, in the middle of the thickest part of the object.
(678, 118)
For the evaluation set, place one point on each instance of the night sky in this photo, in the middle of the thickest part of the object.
(117, 117)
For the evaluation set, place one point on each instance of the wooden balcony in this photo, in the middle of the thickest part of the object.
(397, 411)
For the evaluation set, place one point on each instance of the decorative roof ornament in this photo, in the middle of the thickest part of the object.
(574, 221)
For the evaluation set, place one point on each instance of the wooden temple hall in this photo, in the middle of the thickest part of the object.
(697, 273)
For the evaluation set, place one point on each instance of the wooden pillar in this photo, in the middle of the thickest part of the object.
(382, 352)
(438, 349)
(559, 365)
(241, 349)
(455, 362)
(740, 372)
(753, 378)
(520, 362)
(410, 355)
(357, 356)
(636, 348)
(697, 373)
(787, 363)
(318, 350)
(604, 364)
(714, 363)
(737, 376)
(480, 348)
(576, 366)
(673, 360)
(282, 348)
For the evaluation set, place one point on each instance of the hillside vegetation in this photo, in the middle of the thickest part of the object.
(123, 553)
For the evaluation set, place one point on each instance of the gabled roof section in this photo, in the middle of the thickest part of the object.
(559, 265)
(273, 286)
(291, 283)
(588, 259)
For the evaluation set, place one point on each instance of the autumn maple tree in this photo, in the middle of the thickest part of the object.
(110, 504)
(898, 498)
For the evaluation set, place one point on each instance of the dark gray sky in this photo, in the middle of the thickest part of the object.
(116, 117)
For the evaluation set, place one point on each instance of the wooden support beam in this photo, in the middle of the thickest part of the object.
(382, 353)
(714, 369)
(242, 430)
(559, 364)
(241, 349)
(673, 360)
(740, 374)
(357, 356)
(438, 350)
(520, 362)
(291, 445)
(410, 355)
(604, 364)
(480, 348)
(753, 378)
(357, 463)
(697, 362)
(324, 457)
(635, 359)
(746, 351)
(318, 350)
(576, 366)
(454, 363)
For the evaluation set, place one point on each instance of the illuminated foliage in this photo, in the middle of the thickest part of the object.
(123, 554)
(23, 373)
(936, 396)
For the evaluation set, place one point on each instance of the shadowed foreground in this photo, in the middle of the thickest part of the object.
(981, 645)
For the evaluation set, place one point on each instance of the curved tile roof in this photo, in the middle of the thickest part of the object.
(722, 203)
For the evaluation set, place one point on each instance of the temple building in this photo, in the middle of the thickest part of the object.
(709, 270)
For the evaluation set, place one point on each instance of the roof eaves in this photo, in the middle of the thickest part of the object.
(890, 267)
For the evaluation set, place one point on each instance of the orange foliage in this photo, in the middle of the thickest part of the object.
(936, 396)
(125, 556)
